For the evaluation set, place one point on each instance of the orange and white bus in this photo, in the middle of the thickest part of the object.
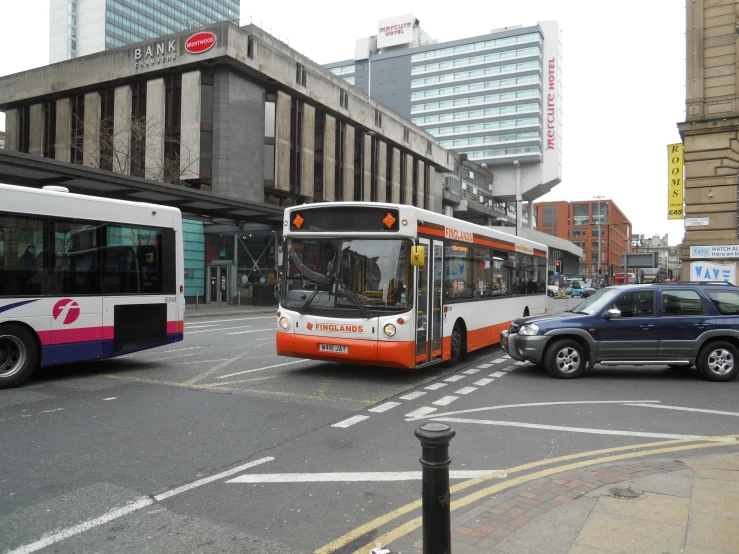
(397, 286)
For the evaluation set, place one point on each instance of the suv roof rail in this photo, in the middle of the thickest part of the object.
(711, 283)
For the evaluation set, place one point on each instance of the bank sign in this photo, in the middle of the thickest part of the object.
(719, 251)
(166, 51)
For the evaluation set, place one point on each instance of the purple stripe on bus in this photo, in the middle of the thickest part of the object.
(11, 306)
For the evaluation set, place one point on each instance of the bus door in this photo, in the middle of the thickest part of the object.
(428, 305)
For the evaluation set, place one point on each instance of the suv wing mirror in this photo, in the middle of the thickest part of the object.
(612, 314)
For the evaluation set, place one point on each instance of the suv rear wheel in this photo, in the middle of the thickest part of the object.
(718, 361)
(565, 359)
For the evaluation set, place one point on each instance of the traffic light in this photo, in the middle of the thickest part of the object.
(558, 266)
(600, 270)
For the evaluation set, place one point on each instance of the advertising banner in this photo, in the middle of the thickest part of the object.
(710, 271)
(395, 31)
(675, 185)
(718, 251)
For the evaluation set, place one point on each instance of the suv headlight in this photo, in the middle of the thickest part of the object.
(529, 330)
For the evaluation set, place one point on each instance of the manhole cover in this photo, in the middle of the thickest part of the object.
(624, 492)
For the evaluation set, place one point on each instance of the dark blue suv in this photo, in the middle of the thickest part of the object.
(678, 325)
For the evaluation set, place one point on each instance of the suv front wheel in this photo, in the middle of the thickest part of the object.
(718, 361)
(565, 359)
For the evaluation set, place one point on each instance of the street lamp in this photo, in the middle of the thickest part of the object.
(598, 198)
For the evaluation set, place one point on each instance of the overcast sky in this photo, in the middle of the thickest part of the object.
(623, 76)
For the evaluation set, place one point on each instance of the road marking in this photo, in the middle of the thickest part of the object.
(485, 366)
(412, 525)
(569, 429)
(520, 363)
(436, 386)
(471, 371)
(269, 338)
(197, 361)
(254, 331)
(215, 368)
(466, 390)
(413, 395)
(420, 412)
(57, 536)
(181, 349)
(197, 323)
(219, 329)
(506, 357)
(574, 402)
(499, 360)
(454, 378)
(351, 421)
(683, 409)
(206, 480)
(507, 369)
(398, 512)
(355, 477)
(203, 326)
(260, 369)
(384, 407)
(445, 401)
(498, 374)
(483, 382)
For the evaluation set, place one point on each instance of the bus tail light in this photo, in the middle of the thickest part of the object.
(389, 329)
(182, 288)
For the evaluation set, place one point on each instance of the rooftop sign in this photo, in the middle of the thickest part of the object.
(395, 31)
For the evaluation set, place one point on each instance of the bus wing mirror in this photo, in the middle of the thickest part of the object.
(418, 256)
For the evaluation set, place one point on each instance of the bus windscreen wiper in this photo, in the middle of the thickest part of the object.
(353, 297)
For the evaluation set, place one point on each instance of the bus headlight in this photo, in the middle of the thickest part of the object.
(529, 330)
(284, 322)
(389, 329)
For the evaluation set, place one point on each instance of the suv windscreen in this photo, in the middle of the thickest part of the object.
(726, 301)
(597, 302)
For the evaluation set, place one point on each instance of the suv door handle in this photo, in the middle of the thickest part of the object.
(701, 325)
(646, 327)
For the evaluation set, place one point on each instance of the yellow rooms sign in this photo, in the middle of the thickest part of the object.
(675, 186)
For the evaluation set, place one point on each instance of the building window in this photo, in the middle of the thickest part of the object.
(49, 150)
(549, 216)
(406, 134)
(581, 214)
(269, 140)
(172, 122)
(138, 128)
(250, 47)
(378, 118)
(78, 128)
(300, 74)
(343, 99)
(107, 138)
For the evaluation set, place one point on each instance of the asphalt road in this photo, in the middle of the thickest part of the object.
(216, 444)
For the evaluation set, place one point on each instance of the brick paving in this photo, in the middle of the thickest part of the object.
(500, 517)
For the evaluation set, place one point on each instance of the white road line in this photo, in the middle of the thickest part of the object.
(533, 404)
(196, 323)
(445, 401)
(683, 409)
(254, 331)
(181, 349)
(472, 371)
(506, 357)
(498, 374)
(57, 536)
(219, 329)
(499, 360)
(203, 326)
(206, 480)
(198, 361)
(260, 369)
(520, 363)
(413, 395)
(351, 421)
(268, 338)
(485, 366)
(384, 407)
(508, 368)
(454, 378)
(436, 386)
(356, 477)
(483, 382)
(420, 412)
(572, 429)
(466, 390)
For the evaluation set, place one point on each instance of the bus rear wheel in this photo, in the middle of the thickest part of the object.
(18, 355)
(457, 345)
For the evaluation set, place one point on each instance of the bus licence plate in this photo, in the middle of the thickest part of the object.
(333, 348)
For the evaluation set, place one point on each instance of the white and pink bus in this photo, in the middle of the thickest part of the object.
(398, 286)
(84, 278)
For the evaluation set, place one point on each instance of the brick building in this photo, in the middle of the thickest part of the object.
(600, 228)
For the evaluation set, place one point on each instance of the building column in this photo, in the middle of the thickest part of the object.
(408, 189)
(367, 166)
(307, 148)
(420, 184)
(395, 178)
(154, 156)
(12, 130)
(122, 130)
(63, 138)
(91, 132)
(190, 126)
(36, 129)
(348, 192)
(329, 158)
(282, 141)
(531, 215)
(380, 168)
(431, 189)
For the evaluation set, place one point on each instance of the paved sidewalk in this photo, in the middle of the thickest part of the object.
(688, 505)
(205, 310)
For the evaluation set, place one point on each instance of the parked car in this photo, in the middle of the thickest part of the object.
(588, 291)
(675, 324)
(552, 290)
(575, 288)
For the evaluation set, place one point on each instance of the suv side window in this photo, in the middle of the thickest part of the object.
(677, 303)
(726, 301)
(636, 304)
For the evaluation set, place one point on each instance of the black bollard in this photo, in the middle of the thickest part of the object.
(437, 526)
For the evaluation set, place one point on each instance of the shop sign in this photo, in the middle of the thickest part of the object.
(200, 42)
(395, 31)
(675, 185)
(709, 271)
(696, 222)
(157, 53)
(718, 251)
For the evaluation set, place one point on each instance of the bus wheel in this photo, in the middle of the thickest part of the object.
(18, 355)
(457, 345)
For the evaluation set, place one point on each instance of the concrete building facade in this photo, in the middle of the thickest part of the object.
(668, 257)
(232, 112)
(600, 228)
(711, 135)
(83, 27)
